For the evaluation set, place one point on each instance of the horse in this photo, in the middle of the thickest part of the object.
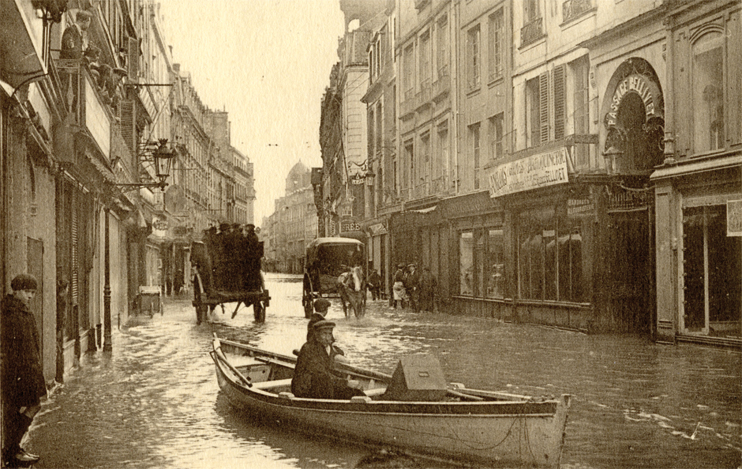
(351, 286)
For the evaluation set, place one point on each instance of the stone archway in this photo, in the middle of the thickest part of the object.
(634, 119)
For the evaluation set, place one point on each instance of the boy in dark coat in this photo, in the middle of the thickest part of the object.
(23, 383)
(314, 375)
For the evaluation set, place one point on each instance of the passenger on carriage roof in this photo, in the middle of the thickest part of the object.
(314, 375)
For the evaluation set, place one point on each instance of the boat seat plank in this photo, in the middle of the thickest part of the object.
(278, 383)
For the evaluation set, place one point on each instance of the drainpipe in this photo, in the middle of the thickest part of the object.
(454, 83)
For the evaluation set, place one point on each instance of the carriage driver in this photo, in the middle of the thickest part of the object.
(314, 375)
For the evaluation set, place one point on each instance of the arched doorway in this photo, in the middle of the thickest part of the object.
(634, 133)
(634, 119)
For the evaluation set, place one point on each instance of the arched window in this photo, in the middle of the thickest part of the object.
(708, 92)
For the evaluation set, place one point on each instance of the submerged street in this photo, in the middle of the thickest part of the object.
(155, 401)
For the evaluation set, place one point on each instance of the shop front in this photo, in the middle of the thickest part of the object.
(576, 250)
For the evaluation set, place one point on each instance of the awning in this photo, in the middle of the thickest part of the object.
(715, 164)
(425, 210)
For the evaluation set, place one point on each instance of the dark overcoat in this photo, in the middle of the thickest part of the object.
(314, 375)
(22, 377)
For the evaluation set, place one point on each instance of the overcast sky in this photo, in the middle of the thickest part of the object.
(267, 63)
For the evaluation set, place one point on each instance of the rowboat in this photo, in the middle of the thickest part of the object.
(490, 428)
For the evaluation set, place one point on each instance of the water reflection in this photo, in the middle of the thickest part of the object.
(156, 403)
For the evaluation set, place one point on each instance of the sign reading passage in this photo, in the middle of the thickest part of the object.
(544, 169)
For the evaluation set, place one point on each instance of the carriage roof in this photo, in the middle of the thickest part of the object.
(333, 240)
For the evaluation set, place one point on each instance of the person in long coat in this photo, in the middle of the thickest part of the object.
(428, 285)
(22, 378)
(314, 376)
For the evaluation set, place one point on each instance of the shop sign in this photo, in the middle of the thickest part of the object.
(580, 207)
(357, 180)
(377, 229)
(639, 84)
(734, 217)
(532, 172)
(349, 226)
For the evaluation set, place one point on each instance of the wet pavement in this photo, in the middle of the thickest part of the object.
(154, 402)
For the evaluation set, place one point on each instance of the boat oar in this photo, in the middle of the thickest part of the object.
(234, 370)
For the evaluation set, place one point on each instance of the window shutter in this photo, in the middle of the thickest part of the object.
(133, 61)
(543, 94)
(559, 101)
(128, 124)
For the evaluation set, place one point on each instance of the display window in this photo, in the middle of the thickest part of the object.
(550, 256)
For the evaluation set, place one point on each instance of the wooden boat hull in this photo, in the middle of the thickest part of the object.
(494, 433)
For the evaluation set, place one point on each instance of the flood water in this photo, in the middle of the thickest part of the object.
(155, 402)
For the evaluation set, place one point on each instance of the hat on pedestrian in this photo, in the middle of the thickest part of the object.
(83, 15)
(24, 282)
(321, 304)
(323, 324)
(400, 266)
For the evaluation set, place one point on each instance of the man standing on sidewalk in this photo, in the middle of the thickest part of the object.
(22, 383)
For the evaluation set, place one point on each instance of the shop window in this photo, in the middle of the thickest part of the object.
(708, 92)
(549, 257)
(712, 280)
(495, 263)
(466, 263)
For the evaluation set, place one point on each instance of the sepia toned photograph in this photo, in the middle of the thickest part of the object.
(371, 234)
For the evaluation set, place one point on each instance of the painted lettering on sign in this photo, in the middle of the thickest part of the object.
(544, 169)
(642, 86)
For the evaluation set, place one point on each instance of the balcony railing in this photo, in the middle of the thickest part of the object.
(441, 86)
(531, 32)
(571, 9)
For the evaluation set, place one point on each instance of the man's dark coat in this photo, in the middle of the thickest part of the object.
(22, 378)
(314, 376)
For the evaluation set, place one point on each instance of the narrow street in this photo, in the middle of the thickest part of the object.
(155, 402)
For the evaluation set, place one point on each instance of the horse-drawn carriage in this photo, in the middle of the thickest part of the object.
(335, 267)
(227, 270)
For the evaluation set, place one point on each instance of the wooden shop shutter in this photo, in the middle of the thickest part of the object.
(133, 64)
(559, 101)
(543, 94)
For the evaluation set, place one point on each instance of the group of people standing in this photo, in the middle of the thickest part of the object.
(410, 287)
(235, 253)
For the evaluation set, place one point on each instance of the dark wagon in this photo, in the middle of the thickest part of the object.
(324, 261)
(227, 270)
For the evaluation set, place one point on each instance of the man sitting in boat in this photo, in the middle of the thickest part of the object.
(314, 376)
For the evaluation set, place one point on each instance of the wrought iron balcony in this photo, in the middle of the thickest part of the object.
(572, 9)
(531, 32)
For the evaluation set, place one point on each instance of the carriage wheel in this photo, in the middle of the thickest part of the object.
(197, 302)
(259, 311)
(307, 301)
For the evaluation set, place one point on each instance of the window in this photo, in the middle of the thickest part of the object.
(379, 129)
(495, 263)
(549, 256)
(409, 72)
(495, 134)
(708, 92)
(533, 122)
(475, 149)
(531, 10)
(466, 263)
(442, 164)
(408, 169)
(482, 263)
(425, 154)
(711, 271)
(473, 59)
(442, 47)
(496, 44)
(425, 70)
